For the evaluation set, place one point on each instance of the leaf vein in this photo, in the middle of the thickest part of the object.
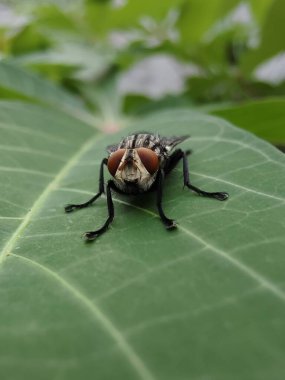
(28, 131)
(20, 149)
(43, 196)
(26, 171)
(239, 186)
(263, 281)
(99, 315)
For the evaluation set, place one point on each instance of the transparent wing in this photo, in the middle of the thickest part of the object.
(171, 142)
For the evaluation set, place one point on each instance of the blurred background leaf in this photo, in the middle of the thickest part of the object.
(265, 118)
(184, 52)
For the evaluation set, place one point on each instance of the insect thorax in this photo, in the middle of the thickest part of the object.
(146, 140)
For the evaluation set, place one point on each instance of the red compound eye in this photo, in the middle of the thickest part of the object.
(149, 159)
(114, 161)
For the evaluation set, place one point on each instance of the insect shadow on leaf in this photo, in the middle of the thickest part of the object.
(139, 164)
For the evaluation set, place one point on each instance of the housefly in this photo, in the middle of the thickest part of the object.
(139, 164)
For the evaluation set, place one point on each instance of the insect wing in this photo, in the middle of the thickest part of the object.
(171, 142)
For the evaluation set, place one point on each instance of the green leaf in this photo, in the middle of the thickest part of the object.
(24, 84)
(29, 39)
(260, 8)
(271, 43)
(18, 83)
(265, 118)
(195, 21)
(102, 17)
(203, 302)
(76, 60)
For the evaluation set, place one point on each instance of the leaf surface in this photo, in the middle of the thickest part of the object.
(203, 302)
(30, 86)
(17, 83)
(265, 117)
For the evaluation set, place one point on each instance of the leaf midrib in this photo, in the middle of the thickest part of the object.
(96, 312)
(8, 247)
(128, 351)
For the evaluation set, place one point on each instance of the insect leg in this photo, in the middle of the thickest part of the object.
(72, 207)
(173, 160)
(91, 235)
(221, 196)
(169, 223)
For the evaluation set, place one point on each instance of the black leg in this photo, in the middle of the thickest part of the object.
(91, 235)
(221, 196)
(169, 223)
(72, 207)
(173, 160)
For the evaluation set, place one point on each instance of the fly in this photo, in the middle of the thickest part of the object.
(139, 164)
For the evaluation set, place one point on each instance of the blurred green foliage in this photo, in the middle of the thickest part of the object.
(152, 54)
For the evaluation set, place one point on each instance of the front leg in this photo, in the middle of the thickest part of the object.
(169, 223)
(91, 235)
(72, 207)
(221, 196)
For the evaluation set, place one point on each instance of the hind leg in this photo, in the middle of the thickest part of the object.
(221, 196)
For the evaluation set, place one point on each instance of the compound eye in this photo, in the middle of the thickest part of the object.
(114, 161)
(149, 159)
